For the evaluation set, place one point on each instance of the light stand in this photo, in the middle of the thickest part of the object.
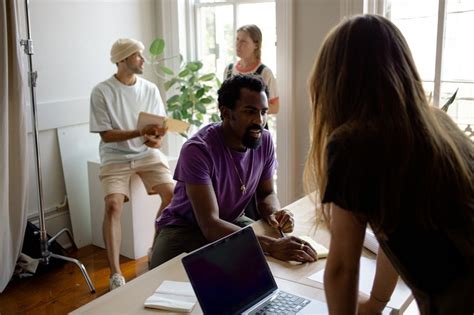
(44, 243)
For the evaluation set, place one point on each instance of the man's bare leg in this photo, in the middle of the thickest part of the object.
(112, 230)
(166, 194)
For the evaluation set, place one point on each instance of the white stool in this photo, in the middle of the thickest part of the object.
(138, 216)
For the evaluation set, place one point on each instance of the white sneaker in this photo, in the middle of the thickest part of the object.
(116, 281)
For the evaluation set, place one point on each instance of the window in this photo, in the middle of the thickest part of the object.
(216, 23)
(439, 35)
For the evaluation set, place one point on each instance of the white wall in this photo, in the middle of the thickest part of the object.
(72, 40)
(312, 21)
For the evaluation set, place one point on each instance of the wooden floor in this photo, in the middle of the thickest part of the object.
(61, 289)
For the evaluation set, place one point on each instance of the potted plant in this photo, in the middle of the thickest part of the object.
(192, 92)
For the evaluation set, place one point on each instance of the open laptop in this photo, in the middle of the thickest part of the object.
(231, 276)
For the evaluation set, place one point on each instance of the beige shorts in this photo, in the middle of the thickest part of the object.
(153, 170)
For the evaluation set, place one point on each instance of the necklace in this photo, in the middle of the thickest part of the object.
(242, 185)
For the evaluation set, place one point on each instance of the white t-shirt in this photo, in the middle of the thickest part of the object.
(115, 105)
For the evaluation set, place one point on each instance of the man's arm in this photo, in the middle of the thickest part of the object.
(204, 203)
(341, 277)
(286, 248)
(269, 207)
(267, 200)
(117, 135)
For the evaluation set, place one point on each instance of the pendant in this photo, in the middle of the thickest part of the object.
(243, 188)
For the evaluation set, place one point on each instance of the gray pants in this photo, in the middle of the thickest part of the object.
(172, 240)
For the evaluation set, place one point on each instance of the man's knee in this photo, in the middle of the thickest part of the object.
(114, 205)
(171, 241)
(165, 247)
(165, 191)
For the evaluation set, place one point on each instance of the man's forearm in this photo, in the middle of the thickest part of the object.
(116, 135)
(214, 230)
(268, 204)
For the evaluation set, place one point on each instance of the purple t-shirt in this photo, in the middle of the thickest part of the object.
(205, 159)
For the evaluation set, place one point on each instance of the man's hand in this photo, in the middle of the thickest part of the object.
(292, 248)
(153, 135)
(282, 220)
(153, 141)
(153, 130)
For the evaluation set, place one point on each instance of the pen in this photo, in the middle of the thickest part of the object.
(282, 234)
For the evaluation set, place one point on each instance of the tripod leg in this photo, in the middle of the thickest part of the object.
(71, 239)
(81, 266)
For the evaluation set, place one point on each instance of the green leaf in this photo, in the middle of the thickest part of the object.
(177, 115)
(207, 77)
(201, 108)
(450, 101)
(194, 66)
(215, 118)
(157, 47)
(170, 83)
(166, 70)
(173, 99)
(185, 114)
(183, 73)
(196, 122)
(172, 106)
(206, 100)
(187, 104)
(200, 93)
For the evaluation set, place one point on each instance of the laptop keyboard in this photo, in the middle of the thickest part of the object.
(283, 303)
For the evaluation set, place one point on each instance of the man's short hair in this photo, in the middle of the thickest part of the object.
(229, 92)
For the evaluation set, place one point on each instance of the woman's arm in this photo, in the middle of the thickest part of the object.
(341, 277)
(385, 280)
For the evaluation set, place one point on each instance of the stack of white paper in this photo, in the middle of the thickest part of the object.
(173, 296)
(400, 296)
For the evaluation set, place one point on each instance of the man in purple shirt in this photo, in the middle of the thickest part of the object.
(219, 172)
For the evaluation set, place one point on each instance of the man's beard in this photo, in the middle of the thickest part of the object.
(134, 68)
(137, 70)
(250, 142)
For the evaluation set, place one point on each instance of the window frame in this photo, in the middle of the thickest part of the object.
(382, 7)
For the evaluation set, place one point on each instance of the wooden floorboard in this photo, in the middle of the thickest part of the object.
(59, 289)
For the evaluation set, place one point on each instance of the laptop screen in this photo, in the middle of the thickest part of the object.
(231, 274)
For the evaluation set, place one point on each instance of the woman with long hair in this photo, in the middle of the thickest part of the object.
(380, 155)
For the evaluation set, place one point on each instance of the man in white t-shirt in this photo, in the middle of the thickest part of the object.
(125, 150)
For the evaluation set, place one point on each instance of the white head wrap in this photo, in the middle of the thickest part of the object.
(123, 48)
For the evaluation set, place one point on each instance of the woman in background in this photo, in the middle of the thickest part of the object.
(380, 155)
(248, 48)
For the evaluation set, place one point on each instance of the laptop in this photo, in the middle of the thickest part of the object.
(231, 276)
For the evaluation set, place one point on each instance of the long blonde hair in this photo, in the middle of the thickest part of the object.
(364, 79)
